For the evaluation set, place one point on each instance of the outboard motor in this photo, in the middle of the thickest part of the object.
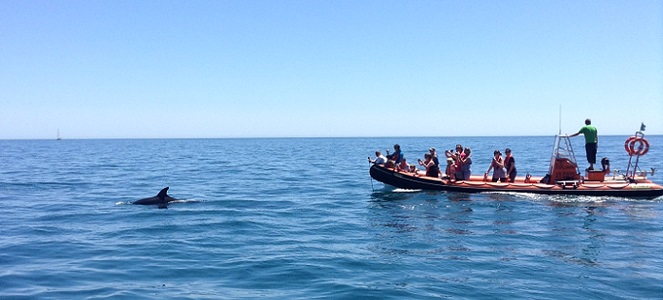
(605, 165)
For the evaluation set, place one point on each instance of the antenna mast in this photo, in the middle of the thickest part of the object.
(560, 120)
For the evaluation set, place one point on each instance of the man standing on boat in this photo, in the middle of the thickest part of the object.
(591, 141)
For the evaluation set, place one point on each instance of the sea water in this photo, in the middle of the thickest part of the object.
(301, 218)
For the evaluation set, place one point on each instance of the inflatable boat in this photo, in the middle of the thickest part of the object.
(563, 177)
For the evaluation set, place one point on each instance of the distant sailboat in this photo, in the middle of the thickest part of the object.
(58, 137)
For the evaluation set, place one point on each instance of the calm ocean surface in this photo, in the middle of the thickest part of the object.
(301, 218)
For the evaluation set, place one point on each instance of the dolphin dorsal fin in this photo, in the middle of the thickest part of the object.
(163, 193)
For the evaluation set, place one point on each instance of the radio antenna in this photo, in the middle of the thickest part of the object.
(560, 120)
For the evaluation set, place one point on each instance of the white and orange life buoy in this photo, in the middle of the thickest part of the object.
(642, 146)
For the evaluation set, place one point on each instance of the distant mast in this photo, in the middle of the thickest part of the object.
(58, 136)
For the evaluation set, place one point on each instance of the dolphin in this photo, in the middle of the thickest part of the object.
(161, 199)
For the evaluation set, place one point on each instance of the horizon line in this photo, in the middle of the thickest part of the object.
(285, 137)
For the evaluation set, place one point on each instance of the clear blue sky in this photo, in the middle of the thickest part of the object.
(153, 69)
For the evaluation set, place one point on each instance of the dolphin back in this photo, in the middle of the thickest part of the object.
(161, 198)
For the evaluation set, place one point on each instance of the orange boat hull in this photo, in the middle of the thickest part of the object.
(618, 188)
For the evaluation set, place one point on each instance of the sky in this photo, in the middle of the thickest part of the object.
(216, 69)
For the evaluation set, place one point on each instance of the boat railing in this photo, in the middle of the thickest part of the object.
(563, 165)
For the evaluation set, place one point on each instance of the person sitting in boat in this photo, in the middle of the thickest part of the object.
(397, 156)
(379, 159)
(431, 169)
(497, 165)
(403, 166)
(510, 165)
(605, 165)
(451, 168)
(413, 169)
(466, 164)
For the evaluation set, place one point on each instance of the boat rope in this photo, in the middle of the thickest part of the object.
(593, 186)
(475, 183)
(369, 171)
(618, 186)
(544, 186)
(522, 184)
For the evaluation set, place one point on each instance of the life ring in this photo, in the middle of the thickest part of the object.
(630, 146)
(628, 140)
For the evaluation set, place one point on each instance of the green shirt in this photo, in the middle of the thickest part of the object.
(590, 133)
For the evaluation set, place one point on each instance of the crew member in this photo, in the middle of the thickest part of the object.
(591, 141)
